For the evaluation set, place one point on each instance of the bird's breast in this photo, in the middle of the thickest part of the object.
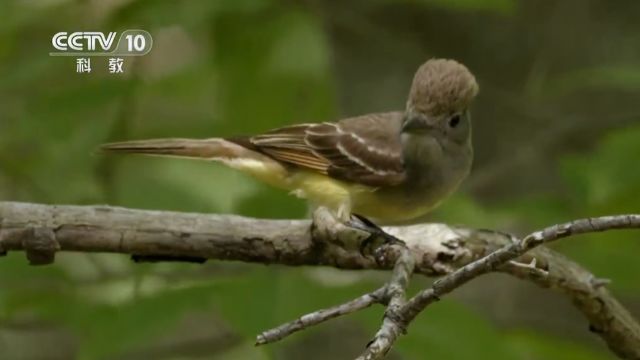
(428, 183)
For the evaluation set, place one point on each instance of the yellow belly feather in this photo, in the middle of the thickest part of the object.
(339, 196)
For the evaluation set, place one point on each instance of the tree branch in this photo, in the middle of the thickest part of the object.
(391, 326)
(43, 230)
(491, 262)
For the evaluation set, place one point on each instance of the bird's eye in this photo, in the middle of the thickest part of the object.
(454, 121)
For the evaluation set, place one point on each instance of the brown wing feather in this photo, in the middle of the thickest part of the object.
(372, 143)
(300, 159)
(288, 145)
(364, 149)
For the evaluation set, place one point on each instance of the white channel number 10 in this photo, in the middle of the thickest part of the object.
(136, 43)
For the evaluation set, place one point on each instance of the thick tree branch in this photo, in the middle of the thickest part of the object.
(42, 230)
(45, 229)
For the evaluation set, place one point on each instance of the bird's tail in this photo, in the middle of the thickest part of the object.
(212, 148)
(230, 153)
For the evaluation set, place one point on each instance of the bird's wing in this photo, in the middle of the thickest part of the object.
(364, 150)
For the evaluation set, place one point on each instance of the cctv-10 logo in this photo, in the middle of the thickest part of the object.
(81, 41)
(95, 43)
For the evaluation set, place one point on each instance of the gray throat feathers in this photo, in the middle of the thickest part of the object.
(435, 165)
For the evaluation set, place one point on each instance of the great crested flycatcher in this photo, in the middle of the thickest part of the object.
(389, 166)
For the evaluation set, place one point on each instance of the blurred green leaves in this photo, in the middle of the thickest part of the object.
(498, 6)
(607, 180)
(619, 77)
(255, 91)
(301, 49)
(501, 6)
(224, 68)
(155, 13)
(444, 327)
(181, 185)
(529, 345)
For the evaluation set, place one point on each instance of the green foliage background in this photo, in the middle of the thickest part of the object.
(556, 137)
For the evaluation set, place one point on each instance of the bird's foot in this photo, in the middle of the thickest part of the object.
(328, 226)
(355, 233)
(377, 238)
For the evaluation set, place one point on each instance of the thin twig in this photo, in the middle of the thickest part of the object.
(393, 294)
(320, 316)
(397, 288)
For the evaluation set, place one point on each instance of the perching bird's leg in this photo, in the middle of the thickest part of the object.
(357, 233)
(378, 236)
(329, 227)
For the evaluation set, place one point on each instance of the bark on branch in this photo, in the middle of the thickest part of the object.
(438, 249)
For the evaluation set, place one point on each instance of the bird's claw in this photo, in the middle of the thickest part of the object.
(328, 227)
(357, 232)
(377, 236)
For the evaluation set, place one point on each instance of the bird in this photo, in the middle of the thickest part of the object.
(388, 167)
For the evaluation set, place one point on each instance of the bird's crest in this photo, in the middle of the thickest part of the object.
(442, 86)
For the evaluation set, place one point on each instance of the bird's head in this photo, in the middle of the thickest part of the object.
(439, 100)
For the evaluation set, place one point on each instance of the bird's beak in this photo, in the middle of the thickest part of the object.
(416, 124)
